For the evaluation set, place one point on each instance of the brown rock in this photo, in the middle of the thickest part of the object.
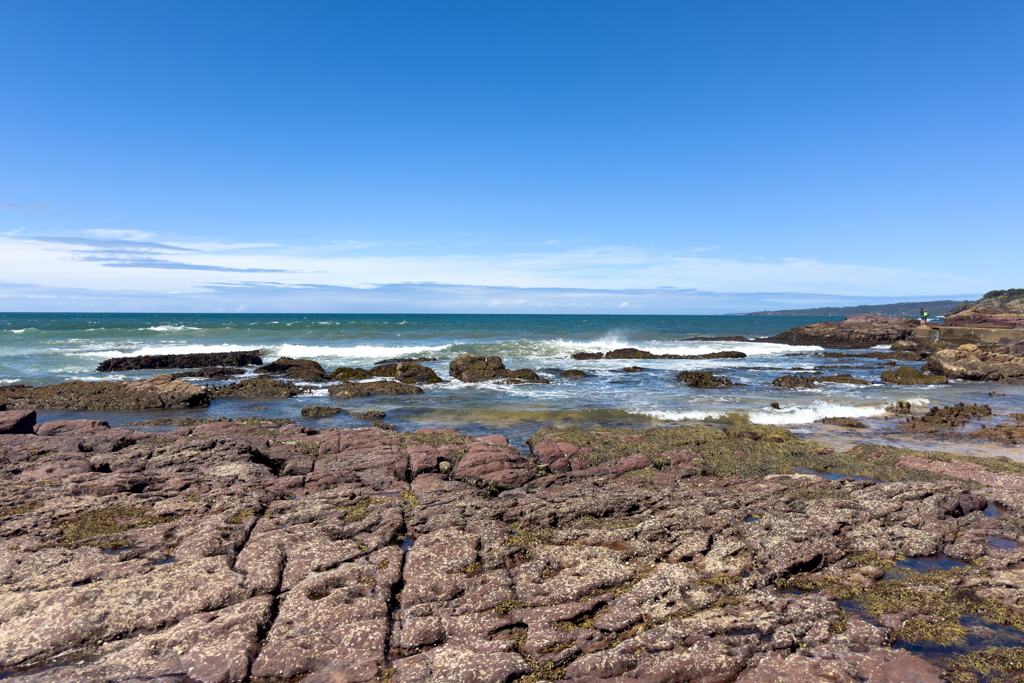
(857, 331)
(17, 421)
(378, 388)
(160, 392)
(968, 362)
(303, 370)
(181, 360)
(257, 387)
(471, 368)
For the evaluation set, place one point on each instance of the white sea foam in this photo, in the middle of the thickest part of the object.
(169, 328)
(787, 416)
(362, 351)
(162, 349)
(561, 348)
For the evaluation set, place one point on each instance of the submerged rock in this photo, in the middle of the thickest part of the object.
(182, 360)
(160, 392)
(378, 388)
(908, 375)
(369, 415)
(320, 411)
(472, 368)
(574, 374)
(703, 380)
(257, 387)
(809, 381)
(215, 373)
(843, 422)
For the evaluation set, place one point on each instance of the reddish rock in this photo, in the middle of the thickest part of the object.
(17, 421)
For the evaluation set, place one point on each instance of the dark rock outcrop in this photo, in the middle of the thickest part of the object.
(472, 368)
(855, 332)
(378, 388)
(297, 369)
(587, 355)
(908, 375)
(256, 387)
(422, 359)
(215, 373)
(574, 374)
(369, 415)
(969, 362)
(703, 380)
(407, 372)
(182, 360)
(320, 411)
(160, 392)
(809, 381)
(843, 422)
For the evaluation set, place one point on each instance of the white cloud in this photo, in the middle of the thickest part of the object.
(50, 262)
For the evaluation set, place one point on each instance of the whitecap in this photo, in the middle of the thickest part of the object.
(793, 415)
(361, 351)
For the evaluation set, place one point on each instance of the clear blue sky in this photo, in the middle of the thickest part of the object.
(861, 149)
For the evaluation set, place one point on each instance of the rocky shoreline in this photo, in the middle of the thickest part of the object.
(254, 550)
(261, 550)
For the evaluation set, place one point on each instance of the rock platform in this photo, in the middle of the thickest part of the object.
(252, 550)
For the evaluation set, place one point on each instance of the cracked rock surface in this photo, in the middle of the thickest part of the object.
(256, 551)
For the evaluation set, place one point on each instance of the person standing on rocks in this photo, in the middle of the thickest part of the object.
(924, 317)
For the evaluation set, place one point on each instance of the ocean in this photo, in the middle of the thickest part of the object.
(37, 348)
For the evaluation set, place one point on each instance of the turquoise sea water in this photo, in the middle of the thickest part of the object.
(48, 348)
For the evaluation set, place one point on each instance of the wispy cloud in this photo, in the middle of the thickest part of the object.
(98, 242)
(6, 206)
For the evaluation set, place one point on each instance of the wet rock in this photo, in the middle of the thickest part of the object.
(17, 421)
(574, 374)
(378, 388)
(297, 369)
(369, 415)
(182, 360)
(969, 362)
(629, 354)
(899, 408)
(703, 380)
(422, 359)
(160, 392)
(320, 411)
(908, 375)
(809, 381)
(633, 368)
(414, 373)
(215, 373)
(406, 372)
(857, 331)
(472, 368)
(586, 355)
(258, 387)
(843, 422)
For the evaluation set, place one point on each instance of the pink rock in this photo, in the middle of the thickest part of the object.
(496, 439)
(623, 465)
(17, 421)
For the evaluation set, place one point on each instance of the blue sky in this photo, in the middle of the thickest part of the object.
(168, 153)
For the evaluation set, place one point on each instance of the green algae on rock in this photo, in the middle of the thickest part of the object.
(908, 375)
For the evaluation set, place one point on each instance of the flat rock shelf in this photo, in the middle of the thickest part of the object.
(260, 550)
